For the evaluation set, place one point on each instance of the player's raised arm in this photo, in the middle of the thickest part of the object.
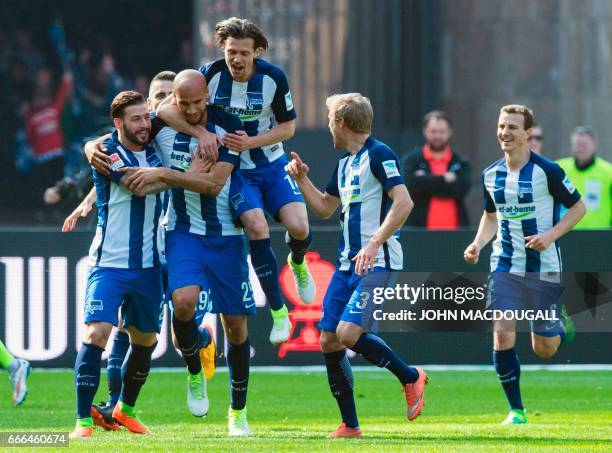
(322, 203)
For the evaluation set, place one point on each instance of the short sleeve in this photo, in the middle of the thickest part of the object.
(332, 185)
(117, 161)
(282, 102)
(489, 205)
(560, 187)
(385, 166)
(231, 157)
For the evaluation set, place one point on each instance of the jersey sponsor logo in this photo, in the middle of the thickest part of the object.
(568, 185)
(116, 162)
(390, 168)
(180, 160)
(288, 101)
(93, 305)
(513, 212)
(243, 114)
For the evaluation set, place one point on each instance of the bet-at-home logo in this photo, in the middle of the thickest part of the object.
(512, 212)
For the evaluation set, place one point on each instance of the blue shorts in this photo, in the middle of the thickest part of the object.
(268, 187)
(349, 298)
(506, 291)
(218, 264)
(137, 292)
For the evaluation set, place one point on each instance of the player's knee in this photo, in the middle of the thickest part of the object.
(235, 329)
(329, 342)
(255, 226)
(298, 228)
(347, 336)
(97, 336)
(545, 350)
(183, 303)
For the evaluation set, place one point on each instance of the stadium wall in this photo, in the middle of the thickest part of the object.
(43, 275)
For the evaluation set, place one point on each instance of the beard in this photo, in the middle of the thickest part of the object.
(132, 137)
(439, 146)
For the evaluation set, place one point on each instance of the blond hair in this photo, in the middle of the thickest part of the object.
(354, 108)
(522, 110)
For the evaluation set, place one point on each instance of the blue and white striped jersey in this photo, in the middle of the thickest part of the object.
(527, 202)
(126, 234)
(362, 181)
(265, 98)
(189, 211)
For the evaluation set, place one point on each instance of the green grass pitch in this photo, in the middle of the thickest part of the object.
(295, 412)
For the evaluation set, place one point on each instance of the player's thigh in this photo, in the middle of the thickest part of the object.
(143, 308)
(546, 302)
(295, 218)
(235, 328)
(360, 308)
(279, 189)
(339, 291)
(247, 205)
(104, 295)
(227, 276)
(184, 254)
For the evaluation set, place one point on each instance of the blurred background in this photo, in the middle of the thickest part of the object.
(465, 57)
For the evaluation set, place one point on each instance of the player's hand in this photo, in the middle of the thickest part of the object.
(137, 179)
(450, 177)
(471, 253)
(238, 141)
(296, 168)
(538, 242)
(364, 260)
(200, 164)
(81, 211)
(208, 145)
(98, 158)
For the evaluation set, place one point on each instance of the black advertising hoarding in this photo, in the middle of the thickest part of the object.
(43, 276)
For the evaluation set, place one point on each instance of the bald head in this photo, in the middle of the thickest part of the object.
(190, 93)
(189, 81)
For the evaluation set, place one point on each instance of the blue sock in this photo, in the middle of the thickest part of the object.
(121, 344)
(376, 351)
(204, 336)
(187, 336)
(135, 372)
(238, 358)
(340, 378)
(87, 377)
(298, 247)
(508, 371)
(266, 268)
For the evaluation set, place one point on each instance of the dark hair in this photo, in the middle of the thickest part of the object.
(586, 130)
(522, 110)
(437, 115)
(237, 28)
(166, 76)
(124, 100)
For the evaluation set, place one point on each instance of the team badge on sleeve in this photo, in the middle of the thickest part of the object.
(390, 168)
(568, 185)
(116, 162)
(288, 101)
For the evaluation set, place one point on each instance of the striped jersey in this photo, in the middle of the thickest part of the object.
(126, 233)
(362, 181)
(527, 202)
(190, 211)
(259, 103)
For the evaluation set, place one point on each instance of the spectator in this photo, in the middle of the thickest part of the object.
(592, 176)
(536, 139)
(438, 178)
